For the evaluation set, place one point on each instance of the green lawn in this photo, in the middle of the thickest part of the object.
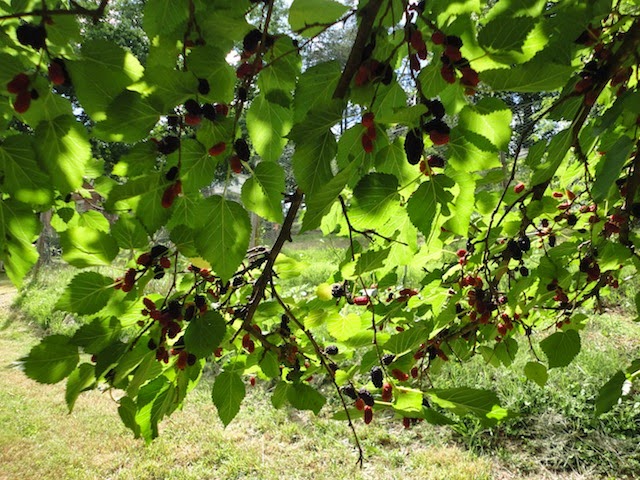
(42, 441)
(555, 434)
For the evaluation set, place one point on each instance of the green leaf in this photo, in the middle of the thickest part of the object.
(270, 365)
(279, 394)
(10, 66)
(129, 361)
(48, 107)
(466, 155)
(405, 341)
(129, 233)
(506, 351)
(184, 240)
(127, 411)
(536, 372)
(428, 201)
(407, 401)
(211, 133)
(609, 168)
(22, 177)
(561, 348)
(558, 148)
(506, 33)
(445, 10)
(344, 327)
(284, 67)
(436, 418)
(228, 393)
(137, 161)
(305, 14)
(489, 118)
(80, 379)
(532, 8)
(371, 260)
(318, 122)
(109, 357)
(389, 100)
(164, 16)
(431, 80)
(315, 88)
(393, 159)
(53, 359)
(164, 404)
(225, 25)
(533, 76)
(312, 162)
(204, 334)
(99, 333)
(198, 167)
(103, 72)
(350, 147)
(462, 400)
(268, 123)
(628, 101)
(151, 406)
(144, 196)
(64, 148)
(19, 227)
(374, 198)
(168, 86)
(609, 393)
(612, 255)
(94, 220)
(319, 204)
(186, 211)
(129, 118)
(305, 397)
(209, 62)
(262, 193)
(84, 247)
(64, 31)
(464, 204)
(87, 293)
(147, 369)
(226, 229)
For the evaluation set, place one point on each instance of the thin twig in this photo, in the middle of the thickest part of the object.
(331, 373)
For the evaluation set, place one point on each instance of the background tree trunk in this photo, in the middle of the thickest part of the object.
(44, 242)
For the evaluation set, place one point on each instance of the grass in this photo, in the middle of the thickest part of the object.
(554, 435)
(41, 441)
(319, 257)
(556, 428)
(39, 296)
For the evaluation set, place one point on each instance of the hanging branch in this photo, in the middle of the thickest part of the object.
(78, 10)
(633, 183)
(263, 280)
(367, 16)
(326, 366)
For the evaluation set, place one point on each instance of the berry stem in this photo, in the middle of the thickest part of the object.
(321, 357)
